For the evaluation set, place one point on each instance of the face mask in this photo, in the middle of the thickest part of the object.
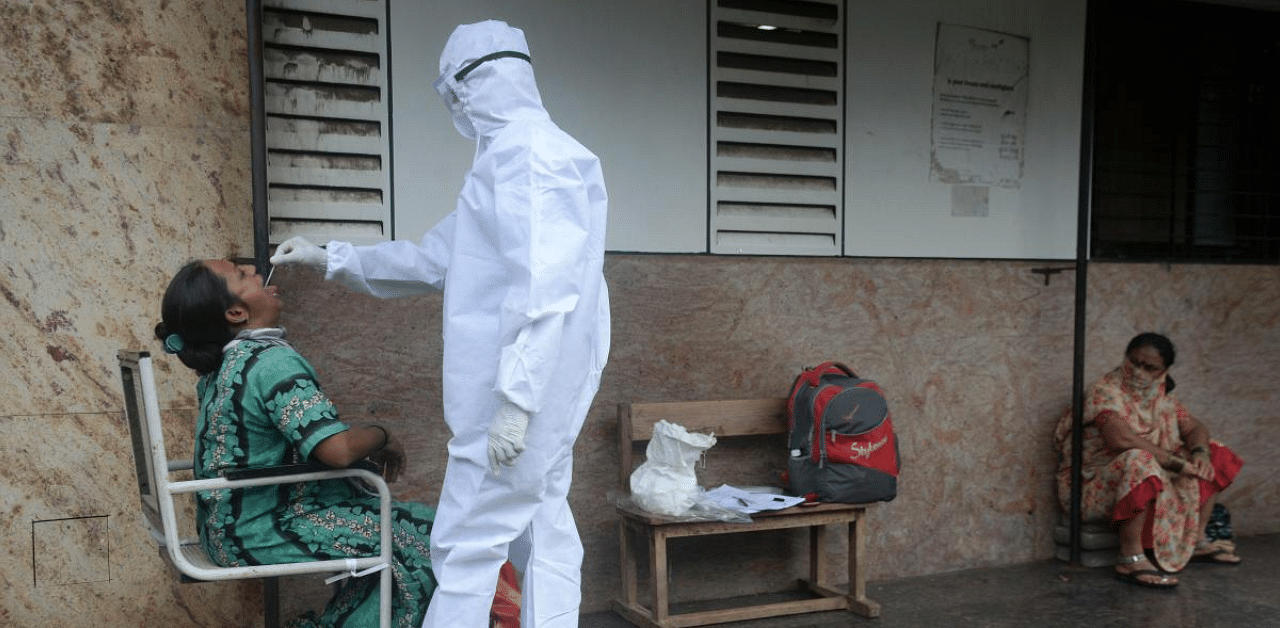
(1140, 382)
(461, 122)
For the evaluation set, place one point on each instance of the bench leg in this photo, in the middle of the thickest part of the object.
(628, 604)
(628, 563)
(817, 556)
(858, 601)
(658, 573)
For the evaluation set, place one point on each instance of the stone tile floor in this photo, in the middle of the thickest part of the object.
(1053, 594)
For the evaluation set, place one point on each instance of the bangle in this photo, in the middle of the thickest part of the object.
(1201, 452)
(386, 437)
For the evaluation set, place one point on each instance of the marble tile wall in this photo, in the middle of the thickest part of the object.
(975, 356)
(125, 153)
(964, 350)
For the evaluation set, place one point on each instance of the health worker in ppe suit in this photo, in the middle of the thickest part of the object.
(526, 331)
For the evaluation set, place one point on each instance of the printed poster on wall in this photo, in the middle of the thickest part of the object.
(979, 107)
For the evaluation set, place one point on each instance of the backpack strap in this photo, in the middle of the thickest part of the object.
(812, 376)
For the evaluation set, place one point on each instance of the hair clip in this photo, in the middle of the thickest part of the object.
(173, 344)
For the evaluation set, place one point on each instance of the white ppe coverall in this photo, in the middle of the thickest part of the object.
(526, 321)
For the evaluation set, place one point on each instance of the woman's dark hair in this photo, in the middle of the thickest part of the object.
(194, 309)
(1162, 345)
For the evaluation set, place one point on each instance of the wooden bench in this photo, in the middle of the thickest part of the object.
(727, 419)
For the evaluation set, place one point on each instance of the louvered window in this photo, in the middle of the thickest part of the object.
(328, 141)
(777, 128)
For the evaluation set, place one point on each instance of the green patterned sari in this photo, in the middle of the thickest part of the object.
(263, 407)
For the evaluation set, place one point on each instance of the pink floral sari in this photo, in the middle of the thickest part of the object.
(1121, 485)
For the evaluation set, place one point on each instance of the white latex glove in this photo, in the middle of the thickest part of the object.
(298, 250)
(506, 435)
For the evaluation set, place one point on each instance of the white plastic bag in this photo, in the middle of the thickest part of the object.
(665, 483)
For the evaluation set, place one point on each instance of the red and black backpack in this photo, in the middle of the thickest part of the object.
(843, 448)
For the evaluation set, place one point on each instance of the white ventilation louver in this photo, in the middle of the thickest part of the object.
(328, 139)
(777, 127)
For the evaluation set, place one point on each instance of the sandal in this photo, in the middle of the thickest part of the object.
(1218, 554)
(1133, 577)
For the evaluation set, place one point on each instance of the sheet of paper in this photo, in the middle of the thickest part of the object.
(738, 500)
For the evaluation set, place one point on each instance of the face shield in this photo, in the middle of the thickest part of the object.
(448, 83)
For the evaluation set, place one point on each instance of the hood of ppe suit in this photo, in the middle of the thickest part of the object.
(497, 92)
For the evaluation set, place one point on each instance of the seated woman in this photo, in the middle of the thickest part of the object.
(1150, 467)
(261, 406)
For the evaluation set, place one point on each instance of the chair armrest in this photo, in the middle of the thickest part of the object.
(288, 475)
(284, 475)
(290, 469)
(269, 472)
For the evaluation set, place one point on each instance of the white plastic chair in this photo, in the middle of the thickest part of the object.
(157, 490)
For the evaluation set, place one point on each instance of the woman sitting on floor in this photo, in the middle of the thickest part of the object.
(1150, 467)
(261, 406)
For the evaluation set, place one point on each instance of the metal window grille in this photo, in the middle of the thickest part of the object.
(777, 126)
(327, 131)
(1186, 133)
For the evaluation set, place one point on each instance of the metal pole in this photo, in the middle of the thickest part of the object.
(257, 132)
(1082, 277)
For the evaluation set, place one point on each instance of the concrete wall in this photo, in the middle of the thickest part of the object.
(126, 153)
(894, 206)
(643, 111)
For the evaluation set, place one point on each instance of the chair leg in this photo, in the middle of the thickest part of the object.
(271, 602)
